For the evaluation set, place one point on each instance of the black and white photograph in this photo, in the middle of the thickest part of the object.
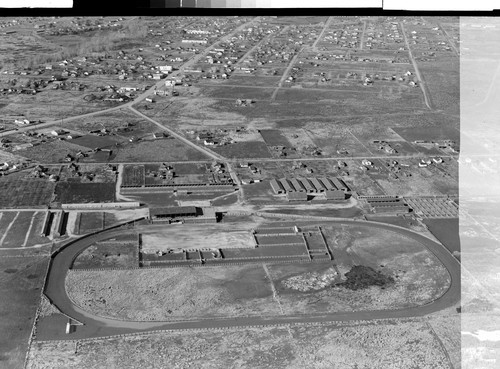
(249, 190)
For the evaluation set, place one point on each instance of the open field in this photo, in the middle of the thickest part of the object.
(157, 150)
(21, 279)
(121, 124)
(72, 192)
(87, 222)
(358, 345)
(24, 193)
(243, 150)
(130, 294)
(196, 236)
(108, 254)
(21, 229)
(51, 152)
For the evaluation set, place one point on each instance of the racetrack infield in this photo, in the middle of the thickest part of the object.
(245, 290)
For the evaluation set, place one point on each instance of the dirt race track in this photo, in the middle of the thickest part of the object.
(96, 326)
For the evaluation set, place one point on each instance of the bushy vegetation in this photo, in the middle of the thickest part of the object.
(361, 276)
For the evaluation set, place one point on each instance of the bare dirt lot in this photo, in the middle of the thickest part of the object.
(386, 344)
(196, 236)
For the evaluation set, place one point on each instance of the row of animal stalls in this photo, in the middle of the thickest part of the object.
(308, 185)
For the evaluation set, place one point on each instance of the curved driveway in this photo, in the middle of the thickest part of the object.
(96, 326)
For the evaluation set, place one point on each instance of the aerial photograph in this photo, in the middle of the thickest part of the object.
(245, 192)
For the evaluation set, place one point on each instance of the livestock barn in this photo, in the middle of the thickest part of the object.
(182, 214)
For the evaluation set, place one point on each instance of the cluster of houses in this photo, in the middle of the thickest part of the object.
(428, 161)
(6, 168)
(210, 138)
(349, 37)
(385, 146)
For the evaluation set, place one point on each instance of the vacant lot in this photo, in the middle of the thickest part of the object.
(231, 92)
(177, 293)
(87, 222)
(196, 236)
(273, 137)
(244, 150)
(24, 193)
(157, 150)
(72, 192)
(21, 279)
(108, 254)
(446, 231)
(93, 142)
(391, 344)
(428, 133)
(273, 240)
(122, 123)
(51, 152)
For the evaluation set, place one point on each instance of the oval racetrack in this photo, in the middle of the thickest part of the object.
(96, 326)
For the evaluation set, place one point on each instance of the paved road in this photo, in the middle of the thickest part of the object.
(95, 326)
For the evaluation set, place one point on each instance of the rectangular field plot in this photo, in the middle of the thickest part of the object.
(196, 236)
(315, 241)
(6, 219)
(133, 175)
(246, 80)
(348, 102)
(93, 142)
(108, 255)
(72, 192)
(158, 150)
(273, 137)
(22, 193)
(434, 133)
(87, 222)
(244, 150)
(446, 231)
(35, 235)
(279, 240)
(232, 92)
(17, 230)
(275, 230)
(262, 253)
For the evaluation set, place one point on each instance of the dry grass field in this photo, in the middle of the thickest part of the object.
(21, 279)
(385, 344)
(174, 293)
